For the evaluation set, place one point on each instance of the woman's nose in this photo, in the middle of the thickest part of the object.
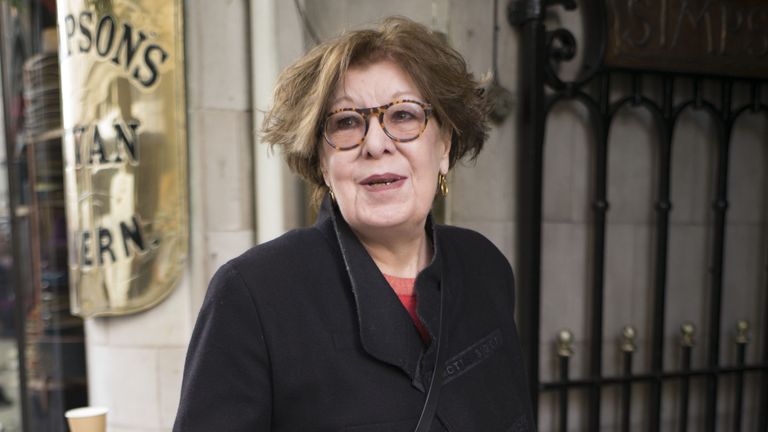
(377, 142)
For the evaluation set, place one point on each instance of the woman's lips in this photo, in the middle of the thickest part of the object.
(382, 182)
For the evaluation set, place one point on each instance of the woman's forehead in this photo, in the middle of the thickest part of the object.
(374, 84)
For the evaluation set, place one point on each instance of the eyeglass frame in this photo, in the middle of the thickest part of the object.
(380, 110)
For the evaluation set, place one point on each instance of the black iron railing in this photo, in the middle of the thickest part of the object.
(541, 90)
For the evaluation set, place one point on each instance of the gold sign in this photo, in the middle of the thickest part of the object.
(125, 152)
(717, 37)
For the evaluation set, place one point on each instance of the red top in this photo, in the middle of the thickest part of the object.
(404, 289)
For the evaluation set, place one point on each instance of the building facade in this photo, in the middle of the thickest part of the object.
(240, 194)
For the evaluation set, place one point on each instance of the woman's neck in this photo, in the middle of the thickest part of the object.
(403, 256)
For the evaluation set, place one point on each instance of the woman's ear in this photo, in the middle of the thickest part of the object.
(445, 156)
(323, 167)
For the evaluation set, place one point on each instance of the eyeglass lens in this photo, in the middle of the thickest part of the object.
(403, 121)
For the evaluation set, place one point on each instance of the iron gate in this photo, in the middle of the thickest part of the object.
(542, 49)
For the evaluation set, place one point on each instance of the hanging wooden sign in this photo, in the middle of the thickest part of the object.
(711, 37)
(125, 151)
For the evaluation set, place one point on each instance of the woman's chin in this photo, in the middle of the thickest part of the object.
(385, 215)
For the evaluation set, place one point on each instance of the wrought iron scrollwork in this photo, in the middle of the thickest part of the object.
(545, 51)
(567, 4)
(561, 45)
(521, 11)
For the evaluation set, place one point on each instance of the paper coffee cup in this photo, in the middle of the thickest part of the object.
(87, 419)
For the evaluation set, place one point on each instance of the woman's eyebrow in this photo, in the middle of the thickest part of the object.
(403, 94)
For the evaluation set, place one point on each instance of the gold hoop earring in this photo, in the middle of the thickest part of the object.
(330, 192)
(443, 183)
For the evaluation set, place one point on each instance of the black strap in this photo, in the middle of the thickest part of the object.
(436, 382)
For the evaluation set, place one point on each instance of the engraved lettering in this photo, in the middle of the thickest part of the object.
(729, 26)
(723, 37)
(127, 141)
(97, 148)
(695, 19)
(77, 135)
(102, 48)
(617, 24)
(132, 233)
(129, 233)
(85, 249)
(756, 21)
(472, 356)
(113, 146)
(120, 43)
(152, 64)
(105, 245)
(69, 29)
(633, 6)
(663, 24)
(86, 31)
(131, 47)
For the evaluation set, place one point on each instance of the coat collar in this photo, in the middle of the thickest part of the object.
(386, 330)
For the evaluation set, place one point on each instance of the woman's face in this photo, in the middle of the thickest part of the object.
(384, 183)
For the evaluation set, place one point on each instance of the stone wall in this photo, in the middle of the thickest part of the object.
(135, 362)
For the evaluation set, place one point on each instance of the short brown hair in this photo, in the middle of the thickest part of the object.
(440, 73)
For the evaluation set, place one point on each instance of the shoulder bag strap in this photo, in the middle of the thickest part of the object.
(433, 392)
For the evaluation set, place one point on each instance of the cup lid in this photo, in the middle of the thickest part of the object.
(86, 412)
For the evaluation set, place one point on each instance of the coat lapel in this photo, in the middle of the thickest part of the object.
(386, 330)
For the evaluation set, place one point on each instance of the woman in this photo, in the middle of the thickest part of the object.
(340, 326)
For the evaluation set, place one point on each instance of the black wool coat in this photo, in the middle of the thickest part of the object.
(303, 333)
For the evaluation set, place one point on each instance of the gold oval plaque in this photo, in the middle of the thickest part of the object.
(125, 152)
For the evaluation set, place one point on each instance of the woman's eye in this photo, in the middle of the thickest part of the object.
(402, 115)
(348, 122)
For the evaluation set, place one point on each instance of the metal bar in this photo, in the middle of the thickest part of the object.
(697, 96)
(755, 97)
(716, 293)
(564, 352)
(34, 222)
(32, 299)
(628, 347)
(685, 382)
(14, 203)
(763, 401)
(663, 208)
(685, 386)
(763, 398)
(742, 328)
(563, 395)
(648, 377)
(600, 208)
(637, 88)
(529, 184)
(626, 394)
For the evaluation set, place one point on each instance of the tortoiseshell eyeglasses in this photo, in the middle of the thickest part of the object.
(402, 120)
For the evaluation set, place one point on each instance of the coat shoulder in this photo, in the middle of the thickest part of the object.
(283, 265)
(471, 246)
(291, 250)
